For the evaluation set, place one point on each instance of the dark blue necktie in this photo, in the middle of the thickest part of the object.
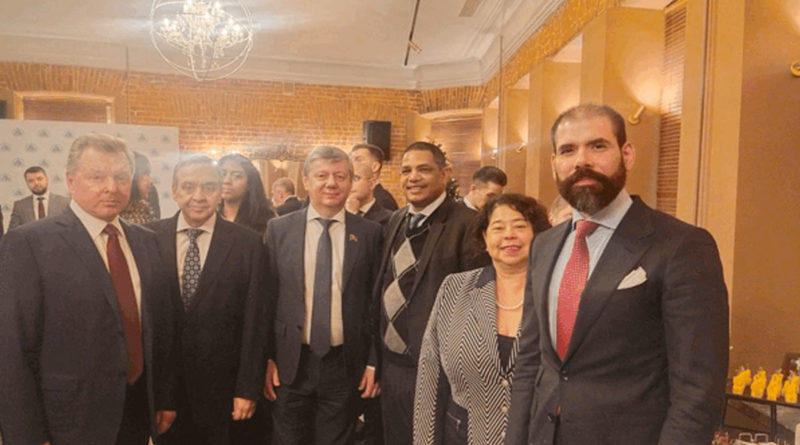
(414, 220)
(321, 309)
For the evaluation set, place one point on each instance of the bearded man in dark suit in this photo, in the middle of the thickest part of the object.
(625, 327)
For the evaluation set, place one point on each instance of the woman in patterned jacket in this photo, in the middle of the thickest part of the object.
(466, 365)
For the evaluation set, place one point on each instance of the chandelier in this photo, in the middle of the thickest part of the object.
(202, 39)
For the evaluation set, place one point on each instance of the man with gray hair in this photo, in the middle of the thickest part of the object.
(216, 277)
(86, 326)
(320, 347)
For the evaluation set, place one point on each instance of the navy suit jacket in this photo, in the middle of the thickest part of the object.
(63, 375)
(647, 363)
(285, 250)
(221, 335)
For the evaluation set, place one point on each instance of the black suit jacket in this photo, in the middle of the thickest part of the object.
(384, 198)
(64, 368)
(221, 335)
(449, 248)
(285, 250)
(647, 362)
(289, 205)
(378, 214)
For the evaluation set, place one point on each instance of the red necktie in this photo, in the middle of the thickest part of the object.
(572, 283)
(41, 206)
(126, 298)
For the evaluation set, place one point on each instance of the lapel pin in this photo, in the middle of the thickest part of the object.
(353, 238)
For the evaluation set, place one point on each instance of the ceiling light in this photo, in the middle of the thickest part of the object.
(202, 39)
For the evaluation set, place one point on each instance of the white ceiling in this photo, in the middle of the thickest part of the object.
(340, 42)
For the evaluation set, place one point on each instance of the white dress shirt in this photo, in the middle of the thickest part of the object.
(429, 209)
(182, 242)
(95, 228)
(313, 232)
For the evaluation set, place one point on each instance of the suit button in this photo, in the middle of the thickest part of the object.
(504, 383)
(503, 435)
(564, 378)
(504, 410)
(550, 418)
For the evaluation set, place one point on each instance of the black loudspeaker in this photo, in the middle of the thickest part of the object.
(3, 110)
(379, 133)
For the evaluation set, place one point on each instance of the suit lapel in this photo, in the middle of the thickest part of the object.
(541, 287)
(486, 293)
(351, 251)
(626, 247)
(295, 242)
(78, 238)
(391, 236)
(221, 242)
(27, 207)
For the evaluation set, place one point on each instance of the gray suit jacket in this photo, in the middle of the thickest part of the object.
(286, 289)
(64, 365)
(646, 364)
(23, 209)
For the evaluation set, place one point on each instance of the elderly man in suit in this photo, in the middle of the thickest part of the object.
(40, 204)
(321, 342)
(283, 196)
(425, 241)
(625, 328)
(216, 275)
(85, 322)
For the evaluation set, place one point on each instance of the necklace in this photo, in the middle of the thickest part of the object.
(510, 308)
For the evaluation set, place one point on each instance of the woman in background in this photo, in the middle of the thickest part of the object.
(466, 364)
(139, 210)
(244, 200)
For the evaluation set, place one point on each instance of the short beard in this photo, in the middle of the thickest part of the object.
(591, 199)
(40, 193)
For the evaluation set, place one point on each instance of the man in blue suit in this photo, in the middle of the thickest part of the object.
(322, 269)
(85, 322)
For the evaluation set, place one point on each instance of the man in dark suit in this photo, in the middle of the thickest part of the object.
(216, 273)
(283, 196)
(85, 323)
(372, 156)
(40, 204)
(487, 181)
(425, 241)
(625, 328)
(361, 200)
(321, 276)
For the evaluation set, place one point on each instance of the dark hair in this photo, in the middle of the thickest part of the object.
(438, 155)
(530, 208)
(34, 169)
(592, 110)
(490, 174)
(374, 151)
(141, 167)
(255, 209)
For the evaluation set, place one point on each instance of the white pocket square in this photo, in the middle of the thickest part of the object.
(633, 279)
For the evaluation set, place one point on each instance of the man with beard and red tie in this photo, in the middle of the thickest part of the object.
(625, 328)
(40, 204)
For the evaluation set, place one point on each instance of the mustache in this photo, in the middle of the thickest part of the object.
(585, 173)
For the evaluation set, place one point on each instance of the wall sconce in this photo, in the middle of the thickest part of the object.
(520, 147)
(795, 68)
(494, 153)
(636, 117)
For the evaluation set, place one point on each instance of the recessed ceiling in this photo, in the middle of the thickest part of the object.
(351, 42)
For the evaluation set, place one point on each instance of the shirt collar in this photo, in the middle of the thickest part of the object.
(430, 208)
(609, 216)
(93, 224)
(46, 196)
(365, 208)
(207, 226)
(313, 214)
(468, 203)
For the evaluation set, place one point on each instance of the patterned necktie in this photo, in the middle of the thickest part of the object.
(414, 220)
(190, 277)
(321, 308)
(572, 283)
(126, 299)
(41, 206)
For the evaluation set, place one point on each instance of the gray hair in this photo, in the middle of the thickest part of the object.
(327, 153)
(194, 159)
(103, 142)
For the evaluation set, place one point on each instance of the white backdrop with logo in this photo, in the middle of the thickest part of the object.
(46, 143)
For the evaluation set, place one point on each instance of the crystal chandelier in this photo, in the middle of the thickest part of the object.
(201, 39)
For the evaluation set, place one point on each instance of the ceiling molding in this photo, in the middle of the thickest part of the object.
(521, 21)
